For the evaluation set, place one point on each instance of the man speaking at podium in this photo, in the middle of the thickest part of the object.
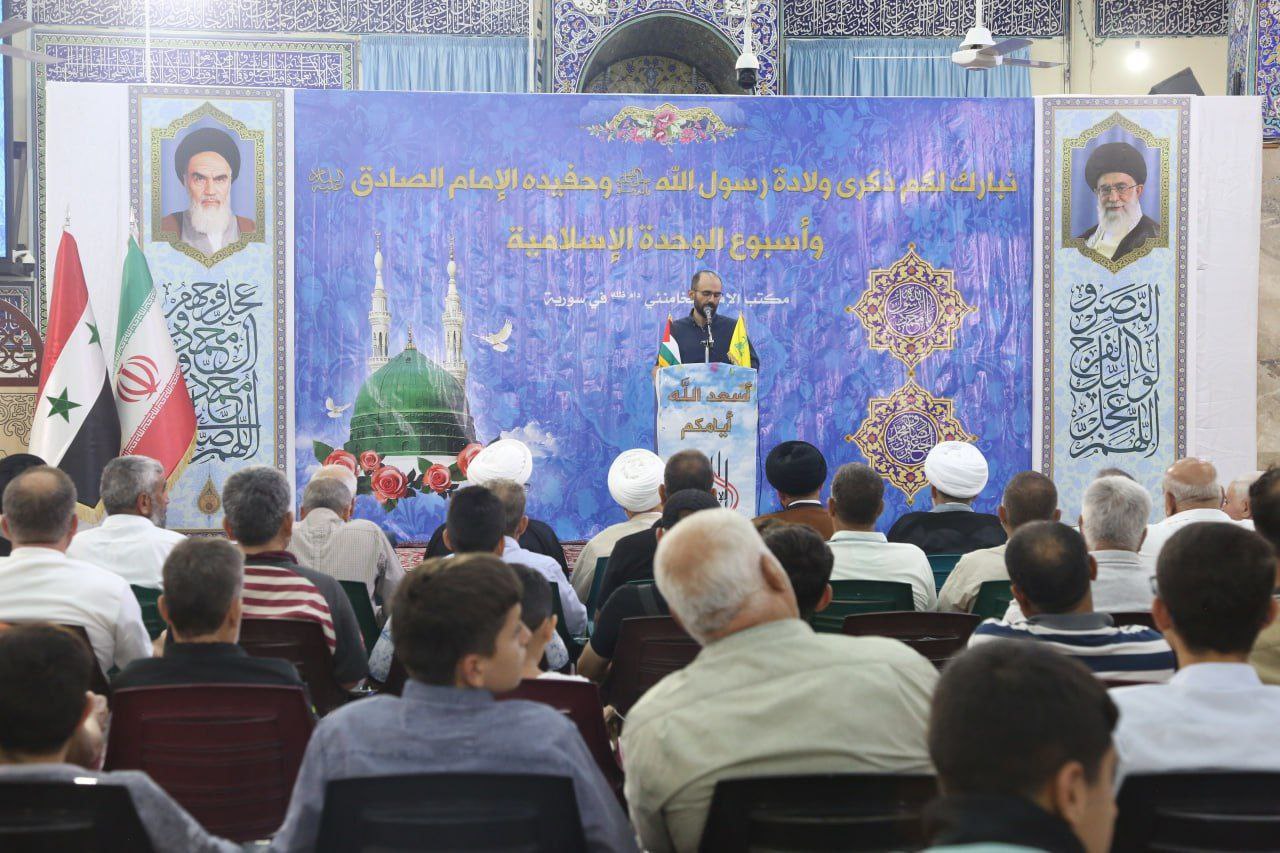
(705, 325)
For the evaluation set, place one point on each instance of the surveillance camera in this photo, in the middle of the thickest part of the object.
(747, 66)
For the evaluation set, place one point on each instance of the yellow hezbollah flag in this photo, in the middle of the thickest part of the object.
(739, 349)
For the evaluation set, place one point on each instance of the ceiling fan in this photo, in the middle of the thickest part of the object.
(13, 27)
(979, 51)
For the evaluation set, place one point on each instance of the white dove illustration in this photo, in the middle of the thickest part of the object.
(498, 340)
(335, 411)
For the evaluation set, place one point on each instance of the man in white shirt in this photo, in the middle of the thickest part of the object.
(329, 540)
(862, 554)
(39, 583)
(1029, 496)
(1191, 494)
(634, 479)
(1113, 520)
(1214, 584)
(132, 541)
(512, 496)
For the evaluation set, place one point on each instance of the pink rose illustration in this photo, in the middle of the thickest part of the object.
(660, 134)
(438, 479)
(466, 454)
(687, 135)
(664, 118)
(370, 461)
(389, 483)
(343, 458)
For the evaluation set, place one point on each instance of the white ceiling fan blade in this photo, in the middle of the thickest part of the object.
(1030, 63)
(29, 55)
(1007, 46)
(14, 25)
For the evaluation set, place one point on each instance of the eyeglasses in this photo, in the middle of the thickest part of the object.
(1121, 190)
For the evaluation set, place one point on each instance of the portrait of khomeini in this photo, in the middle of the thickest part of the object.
(1116, 176)
(208, 164)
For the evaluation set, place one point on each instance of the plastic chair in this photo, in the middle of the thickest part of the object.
(593, 596)
(451, 811)
(228, 753)
(63, 817)
(301, 643)
(849, 597)
(575, 645)
(937, 636)
(580, 702)
(993, 599)
(819, 812)
(942, 565)
(1199, 812)
(147, 599)
(649, 648)
(1134, 617)
(358, 595)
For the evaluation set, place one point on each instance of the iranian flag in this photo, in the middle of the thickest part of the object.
(157, 418)
(75, 426)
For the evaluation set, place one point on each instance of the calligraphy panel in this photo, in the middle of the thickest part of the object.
(1113, 288)
(223, 287)
(920, 18)
(1118, 18)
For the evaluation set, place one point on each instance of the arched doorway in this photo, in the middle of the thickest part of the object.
(662, 53)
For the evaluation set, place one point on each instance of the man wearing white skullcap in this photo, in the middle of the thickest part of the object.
(957, 473)
(506, 459)
(634, 478)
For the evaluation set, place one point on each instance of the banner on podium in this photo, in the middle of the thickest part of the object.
(713, 408)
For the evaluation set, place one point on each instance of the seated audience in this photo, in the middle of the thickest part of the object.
(10, 467)
(634, 478)
(807, 561)
(459, 635)
(132, 540)
(1028, 496)
(1113, 520)
(863, 554)
(1264, 508)
(1051, 571)
(957, 474)
(512, 496)
(1021, 739)
(203, 583)
(635, 600)
(1214, 595)
(44, 700)
(766, 695)
(797, 470)
(328, 540)
(507, 459)
(1236, 504)
(1191, 494)
(258, 517)
(40, 583)
(537, 616)
(632, 557)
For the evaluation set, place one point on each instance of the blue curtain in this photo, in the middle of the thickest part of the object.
(444, 64)
(859, 66)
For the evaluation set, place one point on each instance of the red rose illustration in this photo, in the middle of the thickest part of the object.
(343, 458)
(389, 483)
(467, 454)
(438, 479)
(370, 461)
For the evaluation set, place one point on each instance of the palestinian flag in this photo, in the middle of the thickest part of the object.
(668, 350)
(157, 418)
(75, 426)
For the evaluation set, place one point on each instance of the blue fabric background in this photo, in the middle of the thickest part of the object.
(577, 379)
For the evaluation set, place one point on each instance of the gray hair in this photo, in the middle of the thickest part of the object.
(39, 505)
(126, 478)
(707, 566)
(1239, 487)
(256, 501)
(327, 493)
(1115, 512)
(202, 579)
(512, 496)
(1184, 493)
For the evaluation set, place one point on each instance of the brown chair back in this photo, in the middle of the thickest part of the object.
(301, 643)
(649, 648)
(937, 636)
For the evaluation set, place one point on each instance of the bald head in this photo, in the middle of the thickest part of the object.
(1237, 503)
(1191, 483)
(40, 508)
(688, 469)
(719, 577)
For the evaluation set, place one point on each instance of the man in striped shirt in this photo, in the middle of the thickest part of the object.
(1051, 571)
(259, 518)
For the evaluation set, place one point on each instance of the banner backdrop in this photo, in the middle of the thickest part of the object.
(471, 268)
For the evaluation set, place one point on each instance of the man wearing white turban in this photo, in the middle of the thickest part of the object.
(506, 459)
(634, 478)
(957, 473)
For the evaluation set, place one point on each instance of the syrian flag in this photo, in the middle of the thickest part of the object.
(668, 350)
(76, 427)
(157, 418)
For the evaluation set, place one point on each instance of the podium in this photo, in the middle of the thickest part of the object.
(713, 408)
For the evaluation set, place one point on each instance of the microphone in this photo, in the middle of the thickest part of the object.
(706, 312)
